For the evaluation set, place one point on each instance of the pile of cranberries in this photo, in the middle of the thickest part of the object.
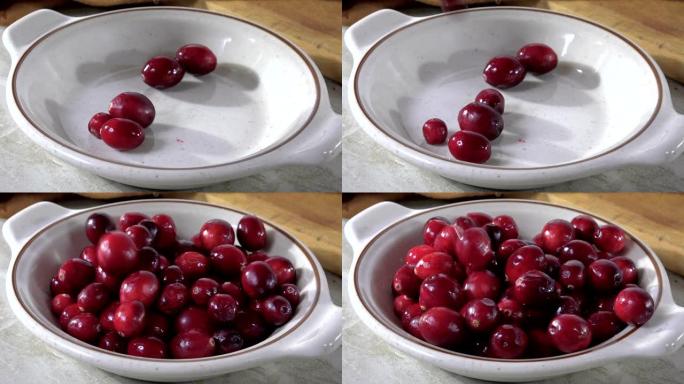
(130, 112)
(140, 290)
(473, 286)
(481, 121)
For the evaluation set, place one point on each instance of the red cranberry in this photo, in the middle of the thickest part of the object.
(630, 273)
(504, 72)
(203, 289)
(59, 302)
(527, 258)
(140, 235)
(162, 264)
(196, 59)
(93, 297)
(251, 233)
(555, 234)
(172, 274)
(258, 279)
(117, 254)
(150, 260)
(443, 327)
(470, 146)
(603, 303)
(222, 307)
(291, 293)
(633, 305)
(69, 312)
(570, 333)
(482, 119)
(192, 344)
(432, 264)
(405, 282)
(216, 232)
(97, 225)
(142, 286)
(193, 318)
(535, 288)
(193, 265)
(511, 310)
(567, 304)
(474, 219)
(257, 256)
(162, 72)
(89, 254)
(432, 228)
(84, 326)
(276, 310)
(173, 298)
(610, 238)
(132, 106)
(540, 343)
(251, 327)
(480, 315)
(129, 318)
(572, 275)
(446, 239)
(482, 284)
(507, 225)
(151, 226)
(109, 280)
(439, 291)
(495, 235)
(552, 265)
(122, 134)
(166, 231)
(604, 325)
(157, 325)
(284, 270)
(416, 253)
(492, 98)
(474, 250)
(508, 247)
(401, 302)
(435, 131)
(228, 340)
(584, 226)
(604, 275)
(96, 122)
(508, 342)
(148, 346)
(235, 291)
(538, 240)
(577, 250)
(72, 276)
(537, 58)
(111, 341)
(131, 218)
(107, 316)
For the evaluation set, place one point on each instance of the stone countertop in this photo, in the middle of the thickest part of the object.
(26, 359)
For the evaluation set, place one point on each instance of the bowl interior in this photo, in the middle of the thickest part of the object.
(583, 108)
(262, 92)
(386, 253)
(42, 257)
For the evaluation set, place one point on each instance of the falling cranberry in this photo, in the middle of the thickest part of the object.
(96, 122)
(122, 134)
(446, 239)
(538, 58)
(227, 259)
(162, 72)
(89, 254)
(482, 119)
(443, 327)
(508, 342)
(634, 305)
(570, 333)
(140, 235)
(435, 131)
(131, 218)
(196, 59)
(133, 106)
(504, 72)
(492, 98)
(470, 146)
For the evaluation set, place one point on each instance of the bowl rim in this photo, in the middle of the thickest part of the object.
(78, 343)
(422, 151)
(287, 138)
(629, 330)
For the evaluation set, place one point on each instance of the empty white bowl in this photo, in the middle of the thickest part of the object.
(43, 235)
(382, 234)
(606, 105)
(264, 106)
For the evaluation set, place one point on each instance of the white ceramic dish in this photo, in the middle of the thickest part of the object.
(380, 233)
(44, 234)
(605, 106)
(266, 105)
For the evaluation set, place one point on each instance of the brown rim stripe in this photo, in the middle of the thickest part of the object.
(410, 338)
(525, 9)
(66, 337)
(71, 147)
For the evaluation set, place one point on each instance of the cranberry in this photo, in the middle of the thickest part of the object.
(432, 264)
(107, 316)
(432, 228)
(106, 278)
(570, 333)
(439, 291)
(111, 341)
(555, 234)
(122, 134)
(482, 119)
(131, 218)
(148, 346)
(416, 253)
(470, 146)
(284, 270)
(150, 260)
(193, 318)
(203, 289)
(196, 59)
(511, 310)
(162, 264)
(216, 232)
(540, 343)
(482, 284)
(435, 131)
(405, 282)
(257, 256)
(72, 276)
(508, 342)
(142, 286)
(193, 265)
(97, 225)
(630, 273)
(172, 274)
(504, 72)
(603, 303)
(610, 238)
(473, 219)
(537, 58)
(567, 304)
(166, 232)
(604, 275)
(84, 326)
(258, 279)
(584, 226)
(401, 302)
(93, 297)
(492, 98)
(446, 239)
(132, 106)
(89, 254)
(151, 226)
(474, 249)
(480, 315)
(443, 327)
(276, 310)
(129, 318)
(552, 265)
(508, 247)
(495, 234)
(96, 122)
(140, 235)
(250, 326)
(222, 307)
(507, 225)
(634, 305)
(572, 275)
(527, 258)
(192, 344)
(59, 302)
(156, 325)
(173, 298)
(235, 291)
(162, 72)
(577, 250)
(604, 325)
(117, 253)
(538, 240)
(228, 340)
(251, 233)
(69, 312)
(535, 288)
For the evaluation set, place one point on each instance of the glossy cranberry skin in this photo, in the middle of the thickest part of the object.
(630, 272)
(129, 318)
(257, 279)
(604, 275)
(470, 146)
(480, 315)
(604, 325)
(507, 247)
(432, 228)
(222, 307)
(443, 327)
(492, 98)
(193, 318)
(140, 286)
(106, 278)
(251, 233)
(96, 122)
(203, 289)
(634, 305)
(150, 260)
(474, 249)
(482, 284)
(107, 316)
(216, 232)
(122, 134)
(416, 253)
(192, 344)
(540, 343)
(504, 72)
(89, 254)
(276, 310)
(69, 311)
(59, 302)
(446, 239)
(508, 342)
(570, 333)
(439, 291)
(131, 218)
(495, 235)
(567, 304)
(508, 226)
(482, 119)
(284, 270)
(97, 225)
(251, 327)
(193, 265)
(473, 219)
(196, 59)
(432, 264)
(72, 276)
(132, 106)
(172, 274)
(572, 275)
(524, 259)
(537, 58)
(577, 250)
(584, 226)
(173, 298)
(140, 235)
(511, 310)
(400, 304)
(162, 72)
(552, 265)
(93, 297)
(535, 288)
(111, 341)
(405, 282)
(148, 346)
(610, 238)
(117, 253)
(84, 326)
(156, 325)
(555, 234)
(166, 232)
(435, 131)
(228, 340)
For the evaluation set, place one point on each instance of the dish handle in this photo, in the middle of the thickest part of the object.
(324, 335)
(367, 223)
(26, 30)
(365, 32)
(320, 143)
(666, 336)
(18, 228)
(667, 146)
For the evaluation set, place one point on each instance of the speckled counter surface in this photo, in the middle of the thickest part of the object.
(25, 359)
(368, 359)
